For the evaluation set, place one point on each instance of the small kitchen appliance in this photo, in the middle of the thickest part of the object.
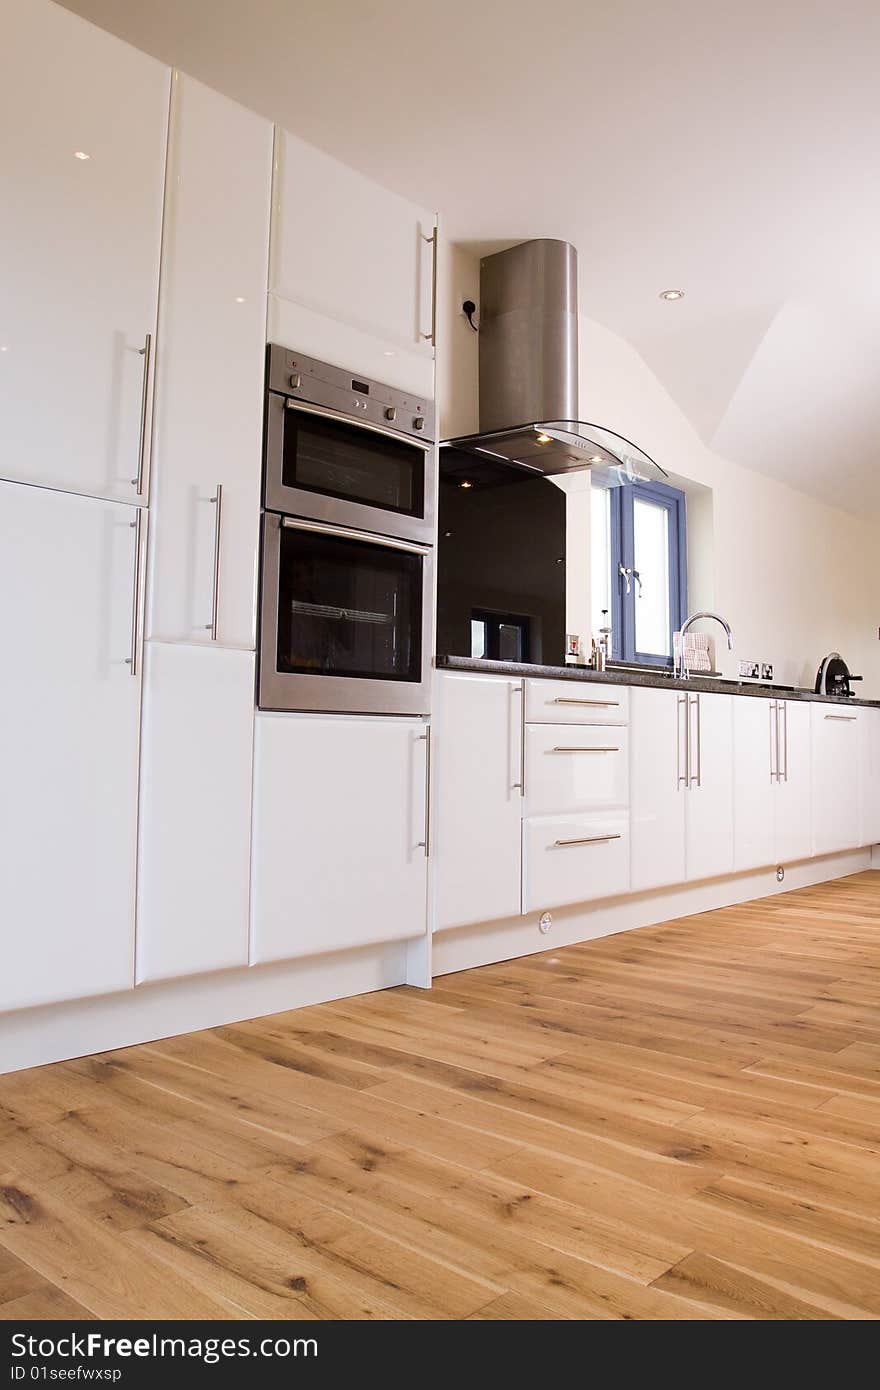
(834, 676)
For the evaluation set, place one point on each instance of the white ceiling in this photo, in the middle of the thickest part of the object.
(731, 151)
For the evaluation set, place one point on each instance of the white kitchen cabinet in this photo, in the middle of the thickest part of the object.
(69, 712)
(340, 822)
(834, 737)
(209, 371)
(85, 119)
(869, 776)
(477, 798)
(658, 787)
(351, 269)
(576, 702)
(195, 810)
(574, 859)
(755, 755)
(575, 767)
(709, 814)
(792, 793)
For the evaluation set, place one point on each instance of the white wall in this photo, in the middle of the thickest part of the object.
(794, 577)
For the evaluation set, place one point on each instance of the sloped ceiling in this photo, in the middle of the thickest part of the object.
(729, 151)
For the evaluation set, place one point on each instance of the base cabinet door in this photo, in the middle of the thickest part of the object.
(710, 793)
(792, 794)
(869, 776)
(209, 372)
(658, 787)
(755, 742)
(195, 811)
(340, 823)
(477, 799)
(834, 736)
(82, 172)
(69, 712)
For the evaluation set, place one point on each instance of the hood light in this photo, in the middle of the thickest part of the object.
(465, 482)
(81, 154)
(596, 458)
(544, 439)
(671, 295)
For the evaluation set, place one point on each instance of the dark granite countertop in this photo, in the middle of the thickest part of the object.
(627, 676)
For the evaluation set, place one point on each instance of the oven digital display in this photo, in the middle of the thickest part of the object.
(361, 387)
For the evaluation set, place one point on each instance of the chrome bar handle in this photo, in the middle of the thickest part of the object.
(426, 843)
(596, 704)
(774, 741)
(217, 501)
(682, 700)
(432, 239)
(699, 741)
(844, 718)
(695, 777)
(145, 352)
(520, 786)
(586, 840)
(784, 707)
(583, 749)
(295, 523)
(132, 660)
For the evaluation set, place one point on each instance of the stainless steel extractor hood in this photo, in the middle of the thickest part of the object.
(529, 372)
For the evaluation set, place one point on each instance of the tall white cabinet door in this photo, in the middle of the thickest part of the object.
(657, 787)
(209, 371)
(69, 711)
(84, 118)
(835, 767)
(477, 801)
(340, 818)
(195, 810)
(351, 271)
(869, 776)
(754, 781)
(710, 797)
(792, 795)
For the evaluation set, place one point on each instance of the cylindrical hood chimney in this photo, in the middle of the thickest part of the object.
(528, 335)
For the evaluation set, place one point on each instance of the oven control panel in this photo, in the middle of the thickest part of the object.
(304, 378)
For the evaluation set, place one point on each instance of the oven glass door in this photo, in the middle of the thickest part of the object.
(323, 465)
(346, 621)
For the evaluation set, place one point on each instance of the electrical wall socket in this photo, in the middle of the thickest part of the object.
(750, 670)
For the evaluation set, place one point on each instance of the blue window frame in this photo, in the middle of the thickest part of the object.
(648, 554)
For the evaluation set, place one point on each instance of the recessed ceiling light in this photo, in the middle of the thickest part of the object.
(81, 154)
(465, 482)
(595, 458)
(389, 354)
(239, 299)
(671, 295)
(543, 438)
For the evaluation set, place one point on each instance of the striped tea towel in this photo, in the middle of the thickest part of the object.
(697, 650)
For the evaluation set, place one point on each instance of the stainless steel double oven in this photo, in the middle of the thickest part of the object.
(347, 576)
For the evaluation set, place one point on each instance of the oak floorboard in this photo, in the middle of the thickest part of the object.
(679, 1122)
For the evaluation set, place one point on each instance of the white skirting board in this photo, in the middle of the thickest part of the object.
(32, 1037)
(462, 948)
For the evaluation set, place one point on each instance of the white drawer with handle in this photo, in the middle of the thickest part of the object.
(576, 702)
(575, 767)
(573, 859)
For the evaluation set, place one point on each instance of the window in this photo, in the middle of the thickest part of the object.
(639, 568)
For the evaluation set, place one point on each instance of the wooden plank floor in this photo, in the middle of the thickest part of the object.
(678, 1122)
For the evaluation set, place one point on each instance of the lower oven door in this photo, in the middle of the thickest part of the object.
(344, 620)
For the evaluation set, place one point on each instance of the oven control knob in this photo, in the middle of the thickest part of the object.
(296, 381)
(419, 422)
(391, 412)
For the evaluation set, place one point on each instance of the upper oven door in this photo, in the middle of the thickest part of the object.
(320, 463)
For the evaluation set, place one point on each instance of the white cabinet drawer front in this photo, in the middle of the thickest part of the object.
(576, 702)
(573, 859)
(580, 767)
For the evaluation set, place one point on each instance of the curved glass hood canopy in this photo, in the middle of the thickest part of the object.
(565, 446)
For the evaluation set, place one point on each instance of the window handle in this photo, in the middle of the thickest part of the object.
(625, 574)
(638, 578)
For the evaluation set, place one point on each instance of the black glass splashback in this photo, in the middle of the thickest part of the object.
(501, 562)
